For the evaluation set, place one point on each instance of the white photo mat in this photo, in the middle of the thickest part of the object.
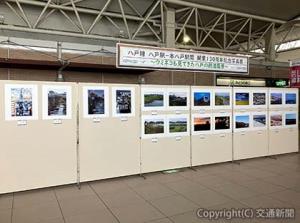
(256, 126)
(271, 119)
(237, 91)
(202, 132)
(178, 116)
(65, 88)
(85, 96)
(222, 115)
(291, 91)
(114, 102)
(276, 91)
(235, 118)
(153, 90)
(185, 91)
(226, 90)
(8, 102)
(291, 125)
(202, 90)
(153, 118)
(260, 91)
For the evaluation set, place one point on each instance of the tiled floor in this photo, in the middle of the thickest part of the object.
(164, 198)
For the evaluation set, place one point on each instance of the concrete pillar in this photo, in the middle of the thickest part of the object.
(169, 27)
(270, 44)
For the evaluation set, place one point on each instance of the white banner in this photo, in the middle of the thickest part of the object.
(145, 57)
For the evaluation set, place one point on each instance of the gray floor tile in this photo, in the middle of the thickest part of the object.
(263, 201)
(55, 220)
(108, 186)
(38, 213)
(122, 198)
(72, 191)
(76, 206)
(95, 217)
(174, 205)
(5, 215)
(184, 186)
(163, 220)
(262, 187)
(136, 181)
(165, 177)
(154, 191)
(288, 196)
(6, 201)
(211, 180)
(137, 213)
(34, 197)
(284, 181)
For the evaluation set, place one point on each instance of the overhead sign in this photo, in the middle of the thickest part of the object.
(145, 57)
(295, 73)
(241, 82)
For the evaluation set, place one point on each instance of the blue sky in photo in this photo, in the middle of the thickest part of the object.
(200, 95)
(290, 116)
(290, 97)
(222, 94)
(242, 96)
(242, 118)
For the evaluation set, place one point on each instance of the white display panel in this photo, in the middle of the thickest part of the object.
(153, 99)
(123, 101)
(242, 122)
(260, 120)
(222, 98)
(178, 125)
(201, 124)
(276, 120)
(276, 98)
(178, 99)
(259, 98)
(291, 98)
(57, 102)
(154, 126)
(222, 123)
(291, 119)
(242, 98)
(21, 102)
(202, 99)
(95, 102)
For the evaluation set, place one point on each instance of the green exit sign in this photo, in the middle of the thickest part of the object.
(281, 83)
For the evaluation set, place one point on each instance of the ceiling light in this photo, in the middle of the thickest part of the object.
(186, 38)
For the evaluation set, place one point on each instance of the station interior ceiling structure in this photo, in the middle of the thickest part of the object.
(255, 28)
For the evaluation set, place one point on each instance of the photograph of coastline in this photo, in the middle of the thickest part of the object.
(259, 98)
(276, 120)
(222, 122)
(276, 98)
(222, 98)
(291, 119)
(57, 102)
(177, 99)
(242, 121)
(290, 98)
(202, 124)
(241, 98)
(154, 126)
(21, 102)
(123, 101)
(259, 120)
(96, 101)
(201, 98)
(154, 99)
(177, 125)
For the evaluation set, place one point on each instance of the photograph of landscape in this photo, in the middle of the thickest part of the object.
(202, 123)
(177, 125)
(276, 120)
(241, 98)
(259, 120)
(154, 126)
(291, 119)
(222, 122)
(21, 102)
(154, 99)
(276, 98)
(242, 121)
(201, 98)
(259, 98)
(290, 98)
(222, 98)
(178, 99)
(123, 101)
(96, 103)
(57, 102)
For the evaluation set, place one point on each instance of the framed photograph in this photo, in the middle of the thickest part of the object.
(178, 125)
(259, 120)
(259, 98)
(57, 102)
(276, 98)
(201, 99)
(153, 99)
(202, 124)
(276, 120)
(95, 101)
(178, 98)
(222, 98)
(242, 98)
(222, 123)
(153, 126)
(291, 119)
(123, 101)
(21, 102)
(291, 98)
(242, 121)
